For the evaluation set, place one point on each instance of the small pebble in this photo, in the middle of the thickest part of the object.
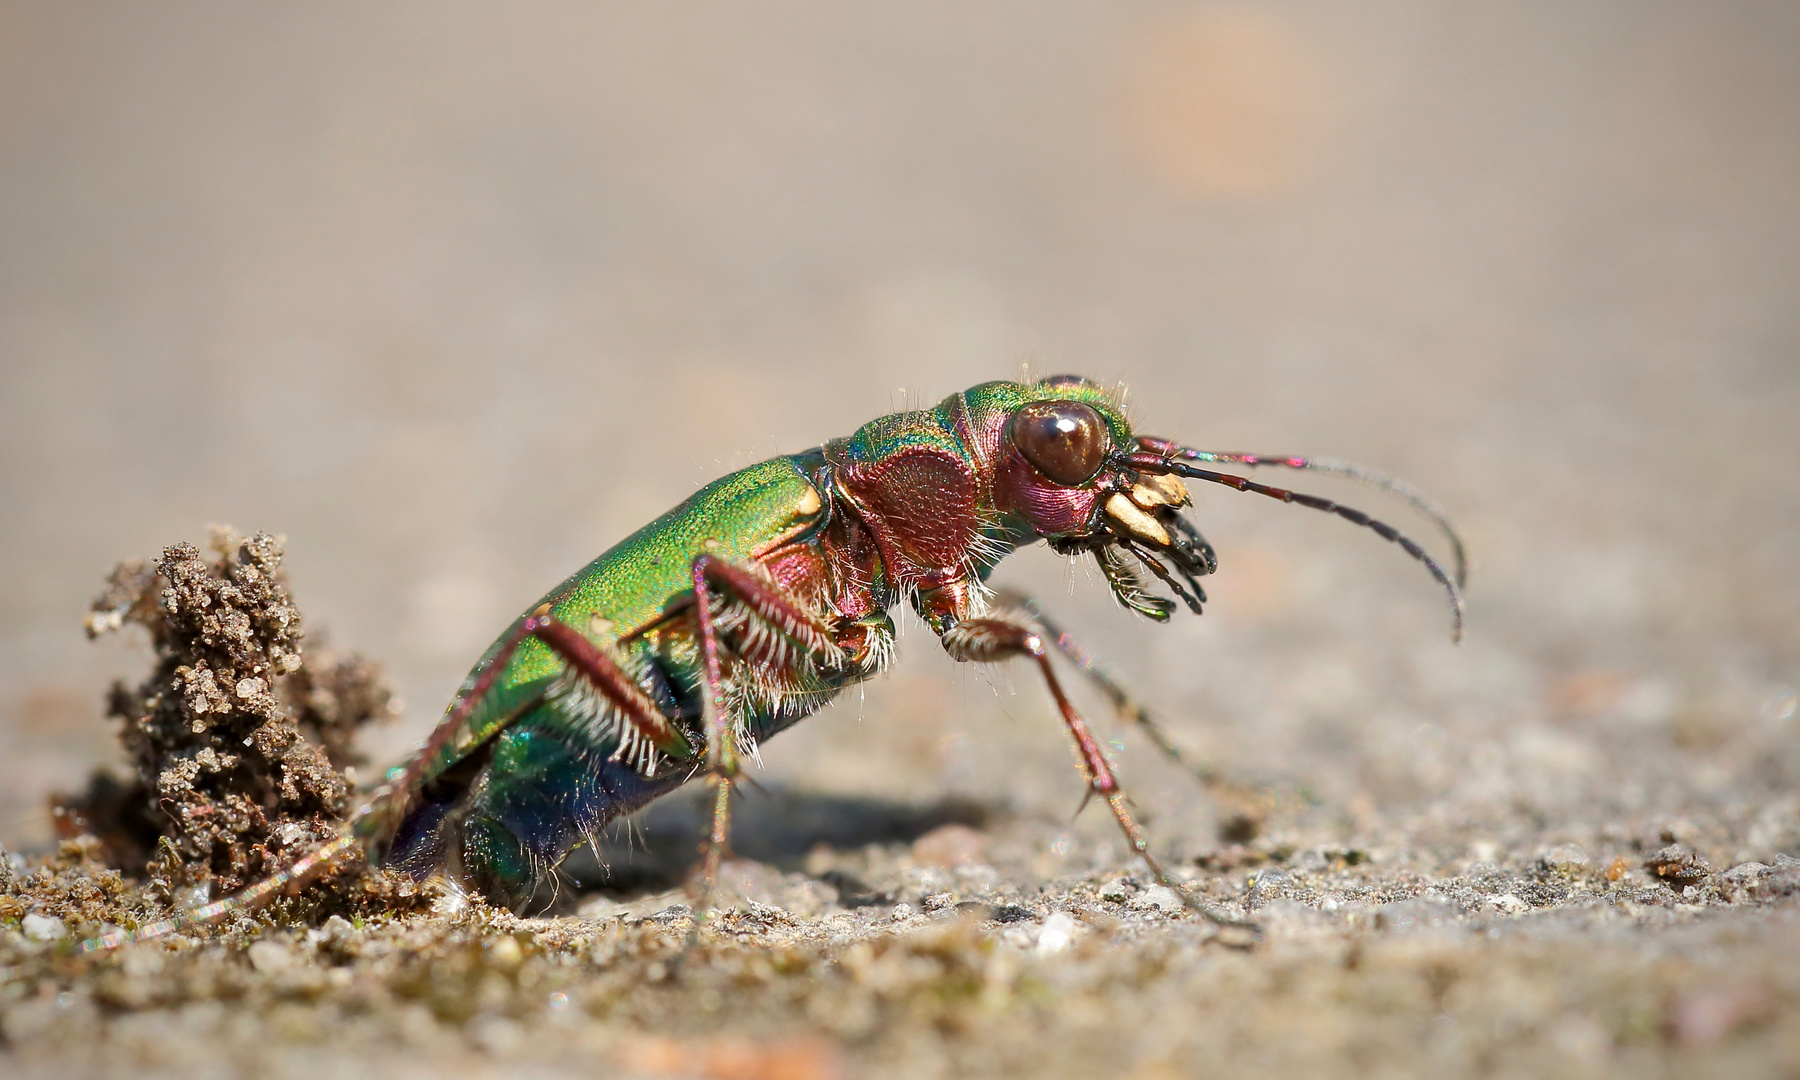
(1678, 866)
(43, 927)
(1741, 880)
(1057, 932)
(505, 953)
(1566, 858)
(270, 957)
(1506, 904)
(1118, 890)
(1266, 885)
(1156, 898)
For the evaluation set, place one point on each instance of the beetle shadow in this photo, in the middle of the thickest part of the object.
(658, 848)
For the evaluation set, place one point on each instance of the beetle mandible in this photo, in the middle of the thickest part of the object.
(750, 605)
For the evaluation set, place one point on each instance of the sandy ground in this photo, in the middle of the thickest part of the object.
(886, 962)
(456, 297)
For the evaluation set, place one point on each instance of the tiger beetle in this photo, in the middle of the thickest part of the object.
(749, 606)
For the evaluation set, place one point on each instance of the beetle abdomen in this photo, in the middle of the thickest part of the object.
(498, 828)
(502, 818)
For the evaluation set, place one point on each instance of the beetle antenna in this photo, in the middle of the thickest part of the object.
(1370, 478)
(1157, 463)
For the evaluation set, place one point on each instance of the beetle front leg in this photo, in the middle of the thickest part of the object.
(988, 640)
(1109, 684)
(1252, 804)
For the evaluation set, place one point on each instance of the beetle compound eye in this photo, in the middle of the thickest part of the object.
(1065, 440)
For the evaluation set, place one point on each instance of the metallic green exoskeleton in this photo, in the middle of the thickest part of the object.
(750, 605)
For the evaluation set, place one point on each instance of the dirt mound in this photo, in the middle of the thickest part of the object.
(240, 738)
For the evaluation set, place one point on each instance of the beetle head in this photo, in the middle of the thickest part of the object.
(1057, 453)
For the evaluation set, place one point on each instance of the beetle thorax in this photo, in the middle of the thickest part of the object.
(921, 505)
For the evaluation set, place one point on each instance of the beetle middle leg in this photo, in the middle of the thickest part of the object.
(773, 611)
(995, 638)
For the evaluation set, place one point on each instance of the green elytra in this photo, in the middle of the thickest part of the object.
(755, 601)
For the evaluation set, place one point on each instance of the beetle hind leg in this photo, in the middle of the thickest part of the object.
(488, 802)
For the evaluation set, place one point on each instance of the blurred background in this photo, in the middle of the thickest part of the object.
(456, 295)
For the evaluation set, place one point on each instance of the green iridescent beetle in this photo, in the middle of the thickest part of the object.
(753, 603)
